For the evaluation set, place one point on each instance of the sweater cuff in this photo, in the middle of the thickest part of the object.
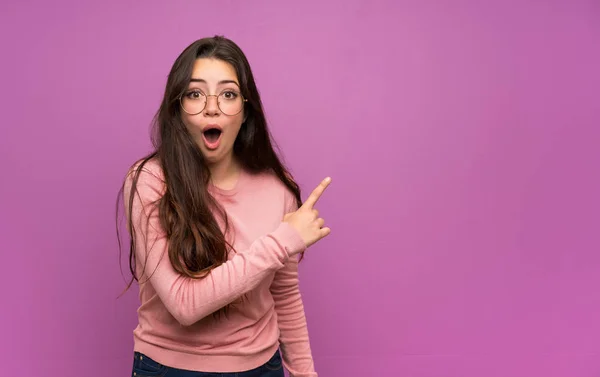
(289, 239)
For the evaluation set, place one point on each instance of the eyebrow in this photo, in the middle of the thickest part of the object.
(220, 82)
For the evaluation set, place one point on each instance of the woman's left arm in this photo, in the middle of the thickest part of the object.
(293, 330)
(295, 345)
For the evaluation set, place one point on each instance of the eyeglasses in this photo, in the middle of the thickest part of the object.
(229, 101)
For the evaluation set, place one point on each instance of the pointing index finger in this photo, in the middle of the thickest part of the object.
(316, 194)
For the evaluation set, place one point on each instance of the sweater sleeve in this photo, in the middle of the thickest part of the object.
(294, 340)
(188, 299)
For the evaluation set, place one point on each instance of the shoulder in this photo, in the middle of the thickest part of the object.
(269, 183)
(289, 199)
(148, 178)
(270, 180)
(149, 170)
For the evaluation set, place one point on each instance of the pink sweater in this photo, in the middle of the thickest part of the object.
(176, 327)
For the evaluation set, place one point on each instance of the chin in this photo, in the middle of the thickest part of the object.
(213, 157)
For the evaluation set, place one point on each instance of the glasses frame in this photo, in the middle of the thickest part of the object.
(244, 100)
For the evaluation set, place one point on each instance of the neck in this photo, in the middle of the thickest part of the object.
(224, 173)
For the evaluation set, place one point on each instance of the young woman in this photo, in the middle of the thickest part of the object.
(217, 229)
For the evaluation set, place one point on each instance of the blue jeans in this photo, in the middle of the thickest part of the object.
(143, 366)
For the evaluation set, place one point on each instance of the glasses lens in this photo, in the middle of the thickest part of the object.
(230, 102)
(193, 102)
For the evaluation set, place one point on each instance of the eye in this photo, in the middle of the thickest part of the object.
(194, 94)
(229, 95)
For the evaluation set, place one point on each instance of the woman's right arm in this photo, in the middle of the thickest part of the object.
(188, 299)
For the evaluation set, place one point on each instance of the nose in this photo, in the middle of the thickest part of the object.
(212, 106)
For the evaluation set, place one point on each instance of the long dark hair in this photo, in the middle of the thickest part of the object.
(196, 242)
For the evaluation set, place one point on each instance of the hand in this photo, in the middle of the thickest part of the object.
(306, 219)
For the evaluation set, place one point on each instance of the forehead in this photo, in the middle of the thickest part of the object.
(213, 71)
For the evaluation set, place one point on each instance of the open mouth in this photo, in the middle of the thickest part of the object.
(212, 137)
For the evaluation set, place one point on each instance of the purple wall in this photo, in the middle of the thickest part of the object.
(462, 139)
